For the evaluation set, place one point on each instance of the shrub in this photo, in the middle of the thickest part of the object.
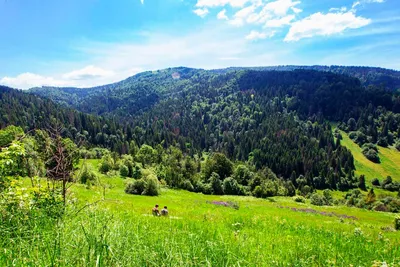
(371, 197)
(231, 186)
(328, 197)
(317, 200)
(151, 186)
(376, 182)
(370, 151)
(216, 184)
(299, 199)
(397, 223)
(106, 164)
(387, 181)
(361, 183)
(199, 187)
(136, 187)
(242, 174)
(291, 190)
(187, 185)
(87, 176)
(124, 170)
(397, 145)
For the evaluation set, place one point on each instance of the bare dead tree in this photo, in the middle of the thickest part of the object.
(61, 160)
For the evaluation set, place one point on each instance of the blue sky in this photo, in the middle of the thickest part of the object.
(93, 42)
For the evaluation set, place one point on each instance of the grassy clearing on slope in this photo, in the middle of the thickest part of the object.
(389, 166)
(119, 231)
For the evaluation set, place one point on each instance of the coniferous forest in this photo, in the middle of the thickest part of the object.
(238, 155)
(277, 122)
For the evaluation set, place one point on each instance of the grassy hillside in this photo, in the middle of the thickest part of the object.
(119, 231)
(389, 166)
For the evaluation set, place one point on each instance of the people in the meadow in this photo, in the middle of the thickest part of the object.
(155, 211)
(164, 211)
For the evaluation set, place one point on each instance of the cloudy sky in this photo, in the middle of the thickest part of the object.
(93, 42)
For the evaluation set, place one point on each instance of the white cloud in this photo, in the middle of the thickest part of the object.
(201, 12)
(87, 73)
(142, 1)
(269, 11)
(216, 3)
(222, 15)
(325, 25)
(28, 80)
(363, 2)
(86, 77)
(276, 23)
(296, 10)
(255, 35)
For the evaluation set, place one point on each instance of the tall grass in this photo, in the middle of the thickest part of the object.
(119, 231)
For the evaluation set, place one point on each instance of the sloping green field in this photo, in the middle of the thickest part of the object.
(389, 166)
(119, 230)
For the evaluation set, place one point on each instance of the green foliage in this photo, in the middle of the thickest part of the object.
(187, 185)
(397, 145)
(361, 183)
(136, 187)
(317, 200)
(9, 134)
(123, 170)
(216, 184)
(371, 197)
(148, 186)
(106, 163)
(397, 223)
(218, 164)
(370, 151)
(242, 174)
(146, 155)
(151, 187)
(11, 163)
(87, 175)
(376, 182)
(299, 199)
(231, 187)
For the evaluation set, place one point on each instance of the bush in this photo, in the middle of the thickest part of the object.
(199, 187)
(387, 181)
(317, 200)
(137, 187)
(216, 184)
(231, 186)
(151, 187)
(397, 145)
(370, 151)
(299, 199)
(328, 197)
(124, 170)
(106, 164)
(87, 176)
(397, 223)
(187, 185)
(376, 182)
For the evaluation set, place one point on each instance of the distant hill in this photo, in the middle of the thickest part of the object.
(270, 118)
(140, 92)
(32, 112)
(389, 79)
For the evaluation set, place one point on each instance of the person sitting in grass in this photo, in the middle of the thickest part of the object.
(164, 211)
(155, 211)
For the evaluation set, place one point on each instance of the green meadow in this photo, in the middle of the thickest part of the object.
(107, 227)
(389, 166)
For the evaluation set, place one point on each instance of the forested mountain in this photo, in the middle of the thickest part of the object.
(143, 90)
(32, 112)
(128, 97)
(274, 119)
(386, 78)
